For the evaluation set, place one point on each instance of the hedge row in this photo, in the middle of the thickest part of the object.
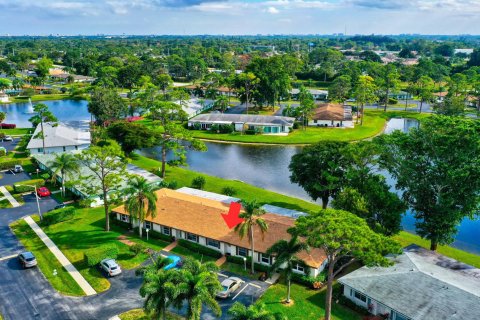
(8, 125)
(94, 256)
(24, 186)
(258, 266)
(59, 215)
(10, 164)
(199, 248)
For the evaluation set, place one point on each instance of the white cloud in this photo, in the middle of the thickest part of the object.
(272, 10)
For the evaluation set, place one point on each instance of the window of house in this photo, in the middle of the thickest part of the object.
(242, 252)
(314, 121)
(192, 237)
(166, 230)
(148, 225)
(400, 317)
(265, 258)
(124, 218)
(299, 267)
(360, 296)
(213, 243)
(40, 149)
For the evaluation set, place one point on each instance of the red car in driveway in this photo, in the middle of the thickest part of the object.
(43, 192)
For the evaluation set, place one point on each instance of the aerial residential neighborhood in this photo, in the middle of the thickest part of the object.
(239, 160)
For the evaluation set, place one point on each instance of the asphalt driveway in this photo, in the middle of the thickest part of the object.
(10, 178)
(9, 145)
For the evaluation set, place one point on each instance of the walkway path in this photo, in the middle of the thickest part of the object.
(171, 246)
(9, 197)
(86, 287)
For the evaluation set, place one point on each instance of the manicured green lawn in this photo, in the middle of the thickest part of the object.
(308, 304)
(41, 97)
(138, 314)
(5, 204)
(185, 252)
(47, 262)
(17, 131)
(406, 238)
(86, 231)
(240, 270)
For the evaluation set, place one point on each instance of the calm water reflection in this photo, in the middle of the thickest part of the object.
(267, 167)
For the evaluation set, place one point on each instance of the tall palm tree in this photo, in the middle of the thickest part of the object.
(65, 164)
(156, 288)
(141, 201)
(254, 312)
(251, 219)
(285, 253)
(197, 284)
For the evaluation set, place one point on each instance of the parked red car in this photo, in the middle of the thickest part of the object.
(43, 192)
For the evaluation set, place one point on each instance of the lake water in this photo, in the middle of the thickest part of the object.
(74, 112)
(267, 167)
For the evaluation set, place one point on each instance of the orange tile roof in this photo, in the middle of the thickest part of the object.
(203, 217)
(329, 111)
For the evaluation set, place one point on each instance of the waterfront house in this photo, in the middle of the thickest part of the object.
(420, 285)
(332, 115)
(243, 122)
(58, 138)
(197, 217)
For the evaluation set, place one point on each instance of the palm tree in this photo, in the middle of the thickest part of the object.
(142, 200)
(285, 253)
(156, 288)
(251, 219)
(254, 312)
(197, 284)
(64, 163)
(42, 115)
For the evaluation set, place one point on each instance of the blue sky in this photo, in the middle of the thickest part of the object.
(72, 17)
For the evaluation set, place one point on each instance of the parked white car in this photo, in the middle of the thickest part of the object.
(229, 285)
(111, 267)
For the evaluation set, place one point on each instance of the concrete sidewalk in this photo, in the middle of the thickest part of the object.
(9, 197)
(86, 287)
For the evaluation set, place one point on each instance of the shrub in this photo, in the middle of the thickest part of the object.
(24, 186)
(296, 125)
(229, 191)
(195, 247)
(8, 125)
(170, 185)
(199, 182)
(309, 281)
(197, 126)
(45, 176)
(258, 266)
(4, 165)
(59, 215)
(85, 203)
(94, 256)
(3, 152)
(392, 101)
(160, 236)
(250, 131)
(137, 248)
(2, 135)
(227, 128)
(215, 128)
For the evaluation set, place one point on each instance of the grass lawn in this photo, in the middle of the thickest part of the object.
(184, 177)
(185, 252)
(41, 97)
(5, 204)
(85, 231)
(308, 304)
(240, 270)
(17, 131)
(47, 262)
(138, 314)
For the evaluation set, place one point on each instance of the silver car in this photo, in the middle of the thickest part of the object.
(27, 259)
(229, 285)
(8, 138)
(111, 267)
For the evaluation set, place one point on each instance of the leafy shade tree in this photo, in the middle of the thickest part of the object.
(65, 164)
(364, 93)
(5, 84)
(132, 136)
(345, 238)
(221, 103)
(256, 311)
(42, 68)
(174, 136)
(141, 200)
(197, 284)
(246, 83)
(43, 114)
(156, 288)
(340, 89)
(388, 81)
(285, 253)
(450, 106)
(437, 167)
(108, 165)
(320, 170)
(163, 81)
(106, 105)
(252, 220)
(424, 88)
(307, 104)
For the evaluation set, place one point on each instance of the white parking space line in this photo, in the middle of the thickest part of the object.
(8, 257)
(255, 285)
(222, 275)
(240, 291)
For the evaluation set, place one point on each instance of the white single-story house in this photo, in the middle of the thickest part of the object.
(316, 93)
(242, 122)
(421, 285)
(44, 163)
(332, 115)
(197, 217)
(58, 138)
(400, 95)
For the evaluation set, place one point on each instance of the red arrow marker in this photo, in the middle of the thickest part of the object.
(232, 219)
